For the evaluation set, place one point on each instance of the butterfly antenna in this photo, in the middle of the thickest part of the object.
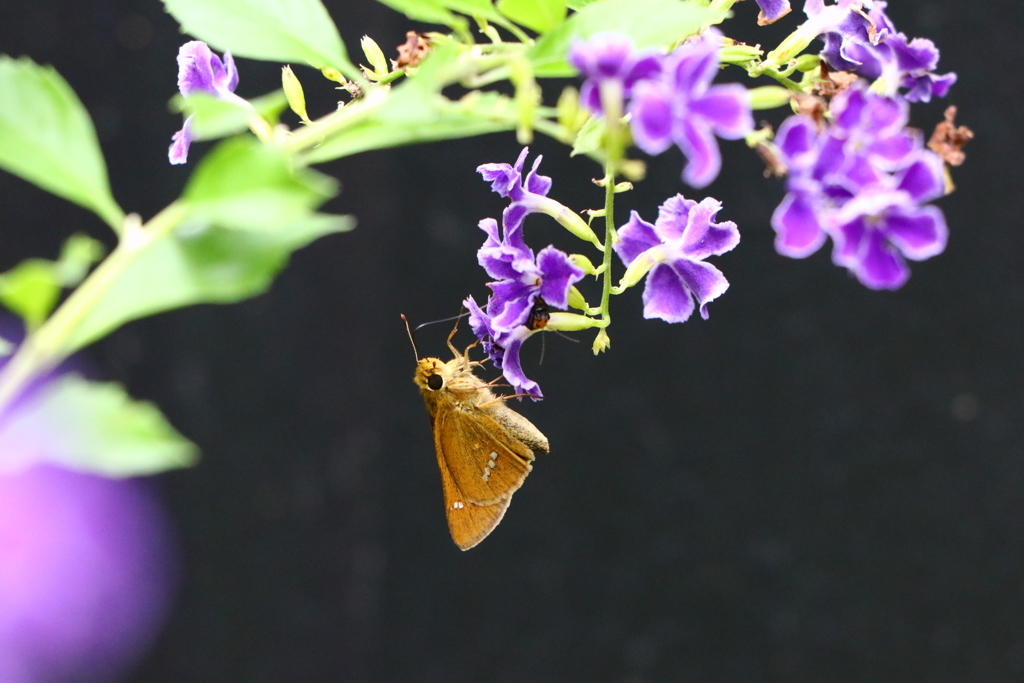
(411, 341)
(443, 320)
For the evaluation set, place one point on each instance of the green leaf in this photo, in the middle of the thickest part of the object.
(204, 265)
(650, 23)
(47, 138)
(421, 118)
(92, 427)
(216, 118)
(590, 137)
(429, 11)
(246, 185)
(30, 290)
(415, 112)
(32, 287)
(291, 31)
(577, 5)
(538, 15)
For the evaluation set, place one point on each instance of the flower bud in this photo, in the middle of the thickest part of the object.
(571, 322)
(576, 300)
(293, 93)
(602, 342)
(769, 97)
(375, 56)
(584, 263)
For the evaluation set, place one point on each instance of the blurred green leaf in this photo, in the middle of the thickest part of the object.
(429, 11)
(217, 118)
(415, 112)
(32, 287)
(47, 138)
(92, 427)
(650, 23)
(249, 186)
(537, 15)
(432, 118)
(590, 137)
(207, 265)
(295, 31)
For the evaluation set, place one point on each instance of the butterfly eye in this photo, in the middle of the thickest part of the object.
(435, 382)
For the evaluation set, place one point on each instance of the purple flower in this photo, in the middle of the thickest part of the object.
(674, 249)
(860, 180)
(875, 230)
(503, 346)
(199, 70)
(522, 278)
(869, 45)
(611, 58)
(523, 281)
(682, 107)
(507, 181)
(772, 10)
(84, 575)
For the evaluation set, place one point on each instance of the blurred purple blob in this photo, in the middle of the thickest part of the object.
(86, 574)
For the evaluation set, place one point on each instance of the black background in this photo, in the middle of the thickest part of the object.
(819, 483)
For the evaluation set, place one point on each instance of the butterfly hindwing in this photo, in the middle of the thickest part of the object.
(468, 522)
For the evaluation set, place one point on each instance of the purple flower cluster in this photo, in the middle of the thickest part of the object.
(867, 43)
(670, 98)
(674, 249)
(525, 282)
(199, 70)
(862, 180)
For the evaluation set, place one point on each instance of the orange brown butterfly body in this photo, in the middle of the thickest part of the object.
(484, 448)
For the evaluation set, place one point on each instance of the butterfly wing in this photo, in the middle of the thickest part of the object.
(481, 465)
(468, 522)
(486, 461)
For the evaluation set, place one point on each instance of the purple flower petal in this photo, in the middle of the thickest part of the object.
(512, 303)
(773, 9)
(86, 570)
(558, 274)
(178, 151)
(610, 57)
(798, 232)
(536, 183)
(604, 55)
(796, 140)
(651, 121)
(201, 70)
(727, 109)
(923, 180)
(919, 234)
(635, 237)
(704, 280)
(666, 297)
(694, 65)
(881, 266)
(512, 368)
(703, 160)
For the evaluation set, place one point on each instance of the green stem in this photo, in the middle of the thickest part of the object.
(335, 122)
(47, 346)
(609, 240)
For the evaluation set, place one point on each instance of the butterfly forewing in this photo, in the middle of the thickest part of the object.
(486, 463)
